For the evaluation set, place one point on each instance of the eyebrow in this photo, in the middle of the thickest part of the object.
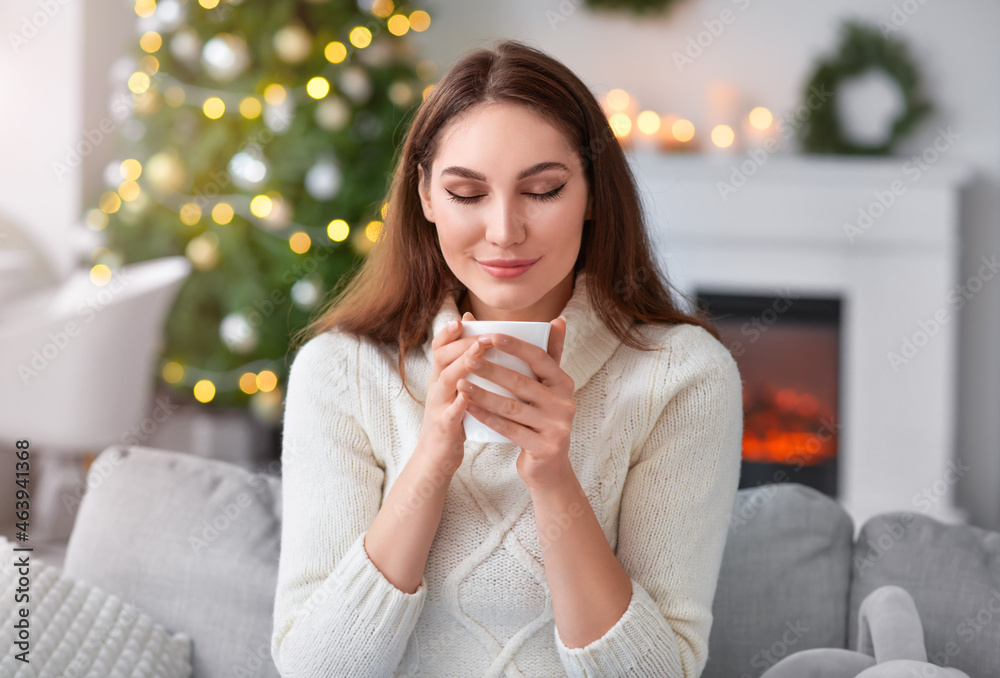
(467, 173)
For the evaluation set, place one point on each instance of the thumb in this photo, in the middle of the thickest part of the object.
(468, 316)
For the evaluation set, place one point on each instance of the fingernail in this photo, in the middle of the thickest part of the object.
(485, 338)
(563, 318)
(453, 325)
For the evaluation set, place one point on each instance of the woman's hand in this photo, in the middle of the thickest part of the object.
(541, 425)
(442, 432)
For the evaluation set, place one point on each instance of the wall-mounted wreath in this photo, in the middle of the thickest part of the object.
(638, 7)
(863, 48)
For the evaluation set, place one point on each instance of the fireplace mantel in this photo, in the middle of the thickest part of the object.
(880, 233)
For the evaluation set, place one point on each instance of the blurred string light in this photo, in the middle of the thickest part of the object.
(215, 103)
(254, 210)
(723, 136)
(682, 130)
(318, 87)
(252, 377)
(648, 122)
(256, 377)
(760, 118)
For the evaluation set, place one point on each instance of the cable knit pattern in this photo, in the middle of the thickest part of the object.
(656, 447)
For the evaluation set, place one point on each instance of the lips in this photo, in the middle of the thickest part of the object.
(500, 268)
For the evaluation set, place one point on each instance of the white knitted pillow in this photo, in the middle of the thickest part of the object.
(79, 631)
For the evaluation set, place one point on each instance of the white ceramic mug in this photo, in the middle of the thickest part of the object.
(532, 332)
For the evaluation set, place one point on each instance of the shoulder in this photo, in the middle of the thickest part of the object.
(688, 348)
(326, 358)
(689, 366)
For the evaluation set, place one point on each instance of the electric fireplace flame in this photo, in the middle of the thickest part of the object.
(786, 426)
(787, 347)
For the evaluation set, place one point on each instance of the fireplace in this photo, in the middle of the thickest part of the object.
(787, 347)
(890, 438)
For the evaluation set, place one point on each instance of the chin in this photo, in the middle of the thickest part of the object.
(510, 299)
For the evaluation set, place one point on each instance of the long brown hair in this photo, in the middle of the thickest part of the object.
(404, 278)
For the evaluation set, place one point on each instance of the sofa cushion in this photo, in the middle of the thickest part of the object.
(192, 541)
(74, 629)
(953, 574)
(784, 580)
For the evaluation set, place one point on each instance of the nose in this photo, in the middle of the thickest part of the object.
(506, 224)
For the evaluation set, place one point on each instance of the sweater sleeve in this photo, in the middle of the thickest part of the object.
(675, 509)
(335, 614)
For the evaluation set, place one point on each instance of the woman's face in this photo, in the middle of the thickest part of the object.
(506, 185)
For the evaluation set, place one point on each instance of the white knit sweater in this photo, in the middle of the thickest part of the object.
(655, 444)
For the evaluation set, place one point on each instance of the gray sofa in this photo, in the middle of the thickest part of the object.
(194, 542)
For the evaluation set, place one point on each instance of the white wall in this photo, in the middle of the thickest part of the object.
(41, 119)
(768, 49)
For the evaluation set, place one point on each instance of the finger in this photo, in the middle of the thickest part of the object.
(449, 353)
(527, 413)
(457, 409)
(457, 368)
(541, 363)
(447, 348)
(468, 316)
(521, 435)
(521, 386)
(447, 333)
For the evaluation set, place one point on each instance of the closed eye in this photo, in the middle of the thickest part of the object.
(541, 197)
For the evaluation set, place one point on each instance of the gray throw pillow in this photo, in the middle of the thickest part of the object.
(784, 579)
(953, 574)
(194, 542)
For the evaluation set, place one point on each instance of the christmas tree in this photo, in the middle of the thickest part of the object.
(259, 144)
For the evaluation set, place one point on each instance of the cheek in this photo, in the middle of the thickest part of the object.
(562, 224)
(455, 237)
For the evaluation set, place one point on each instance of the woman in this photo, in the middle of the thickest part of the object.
(591, 545)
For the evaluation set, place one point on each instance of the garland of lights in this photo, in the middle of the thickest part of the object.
(862, 47)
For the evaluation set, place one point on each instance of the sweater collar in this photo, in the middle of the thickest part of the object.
(588, 345)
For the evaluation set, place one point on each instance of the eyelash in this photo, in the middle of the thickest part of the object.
(541, 197)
